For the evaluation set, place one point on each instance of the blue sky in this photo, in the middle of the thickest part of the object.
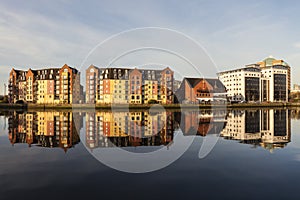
(45, 33)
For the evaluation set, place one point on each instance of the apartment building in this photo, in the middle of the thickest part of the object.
(113, 86)
(124, 85)
(255, 83)
(177, 84)
(158, 85)
(136, 84)
(45, 86)
(92, 79)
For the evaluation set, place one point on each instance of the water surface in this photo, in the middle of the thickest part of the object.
(48, 155)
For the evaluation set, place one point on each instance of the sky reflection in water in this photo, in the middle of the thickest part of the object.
(258, 159)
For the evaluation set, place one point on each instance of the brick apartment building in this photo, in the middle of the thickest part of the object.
(124, 85)
(45, 86)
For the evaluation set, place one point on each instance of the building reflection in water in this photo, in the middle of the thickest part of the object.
(45, 129)
(121, 129)
(266, 128)
(269, 129)
(201, 123)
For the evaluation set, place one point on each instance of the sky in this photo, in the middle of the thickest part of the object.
(231, 34)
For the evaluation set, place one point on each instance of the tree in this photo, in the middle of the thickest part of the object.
(152, 101)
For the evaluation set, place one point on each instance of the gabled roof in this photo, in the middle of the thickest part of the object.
(72, 68)
(92, 66)
(215, 83)
(193, 81)
(18, 71)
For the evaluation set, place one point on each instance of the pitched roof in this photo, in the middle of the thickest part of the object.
(193, 81)
(18, 71)
(72, 68)
(214, 82)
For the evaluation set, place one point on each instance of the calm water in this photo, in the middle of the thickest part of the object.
(53, 155)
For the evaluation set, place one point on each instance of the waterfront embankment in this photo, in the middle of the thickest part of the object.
(6, 106)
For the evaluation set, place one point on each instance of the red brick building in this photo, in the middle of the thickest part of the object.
(195, 90)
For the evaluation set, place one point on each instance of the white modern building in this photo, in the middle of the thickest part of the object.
(274, 83)
(254, 83)
(242, 84)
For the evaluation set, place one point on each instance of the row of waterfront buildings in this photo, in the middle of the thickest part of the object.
(269, 80)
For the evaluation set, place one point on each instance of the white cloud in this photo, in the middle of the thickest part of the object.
(54, 33)
(33, 39)
(297, 45)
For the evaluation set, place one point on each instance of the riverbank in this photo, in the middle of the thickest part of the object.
(5, 106)
(12, 106)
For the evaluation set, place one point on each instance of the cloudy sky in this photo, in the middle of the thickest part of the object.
(46, 33)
